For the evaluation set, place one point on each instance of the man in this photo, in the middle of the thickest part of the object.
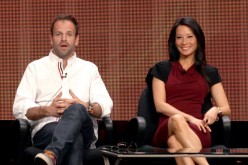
(61, 96)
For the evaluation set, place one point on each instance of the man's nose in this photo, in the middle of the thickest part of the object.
(63, 37)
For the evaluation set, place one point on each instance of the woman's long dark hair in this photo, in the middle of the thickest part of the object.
(174, 54)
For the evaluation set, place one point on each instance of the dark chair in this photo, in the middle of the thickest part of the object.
(23, 152)
(142, 128)
(221, 130)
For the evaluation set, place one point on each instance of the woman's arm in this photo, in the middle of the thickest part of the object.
(159, 97)
(222, 106)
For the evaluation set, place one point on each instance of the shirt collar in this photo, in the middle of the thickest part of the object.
(55, 59)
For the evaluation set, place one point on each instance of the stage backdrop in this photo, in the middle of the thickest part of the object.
(125, 38)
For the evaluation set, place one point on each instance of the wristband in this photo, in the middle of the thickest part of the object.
(90, 108)
(219, 111)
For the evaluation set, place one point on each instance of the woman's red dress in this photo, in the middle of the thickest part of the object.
(186, 91)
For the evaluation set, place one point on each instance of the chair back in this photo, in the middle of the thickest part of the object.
(146, 109)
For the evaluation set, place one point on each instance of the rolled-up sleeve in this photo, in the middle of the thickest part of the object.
(100, 94)
(25, 94)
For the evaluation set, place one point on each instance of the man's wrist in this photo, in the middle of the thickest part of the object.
(90, 108)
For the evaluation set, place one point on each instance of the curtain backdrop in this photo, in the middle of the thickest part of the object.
(125, 38)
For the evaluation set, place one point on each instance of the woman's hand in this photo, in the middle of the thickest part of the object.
(200, 124)
(211, 116)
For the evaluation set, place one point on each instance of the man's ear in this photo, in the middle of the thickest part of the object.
(51, 39)
(77, 40)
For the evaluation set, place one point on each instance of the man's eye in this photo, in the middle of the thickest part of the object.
(70, 34)
(57, 34)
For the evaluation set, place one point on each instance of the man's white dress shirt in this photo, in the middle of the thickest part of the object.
(43, 80)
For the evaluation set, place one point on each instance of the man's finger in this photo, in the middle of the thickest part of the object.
(72, 94)
(59, 95)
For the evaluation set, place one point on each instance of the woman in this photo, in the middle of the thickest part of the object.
(182, 96)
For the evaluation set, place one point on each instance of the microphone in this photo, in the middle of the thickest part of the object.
(64, 76)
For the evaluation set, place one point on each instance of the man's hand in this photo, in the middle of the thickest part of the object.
(77, 100)
(59, 105)
(56, 108)
(97, 110)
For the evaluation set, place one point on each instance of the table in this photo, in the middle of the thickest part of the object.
(151, 152)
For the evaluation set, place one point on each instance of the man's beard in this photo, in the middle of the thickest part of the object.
(61, 54)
